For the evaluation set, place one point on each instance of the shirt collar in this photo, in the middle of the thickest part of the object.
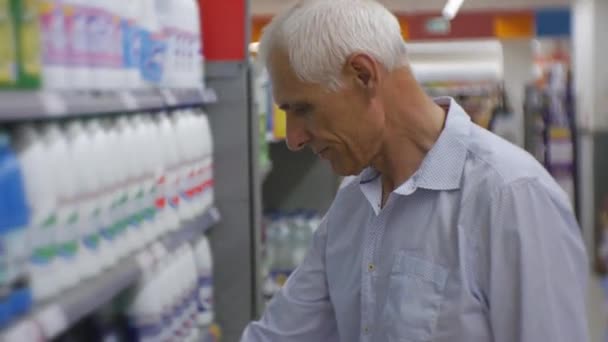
(443, 165)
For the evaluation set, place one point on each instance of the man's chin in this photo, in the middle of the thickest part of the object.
(344, 171)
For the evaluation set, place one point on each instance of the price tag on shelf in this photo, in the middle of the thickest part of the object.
(128, 100)
(26, 330)
(169, 97)
(53, 103)
(53, 321)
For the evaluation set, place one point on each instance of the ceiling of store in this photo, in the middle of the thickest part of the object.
(269, 7)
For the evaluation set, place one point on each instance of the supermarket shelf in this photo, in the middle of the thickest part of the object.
(53, 318)
(23, 105)
(265, 171)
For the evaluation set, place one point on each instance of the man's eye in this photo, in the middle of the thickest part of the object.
(302, 110)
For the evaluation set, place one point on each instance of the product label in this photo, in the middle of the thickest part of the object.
(43, 241)
(131, 44)
(54, 41)
(205, 294)
(30, 38)
(104, 31)
(154, 48)
(68, 236)
(147, 327)
(76, 31)
(8, 52)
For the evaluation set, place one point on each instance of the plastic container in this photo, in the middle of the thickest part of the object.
(33, 152)
(131, 43)
(28, 43)
(153, 45)
(204, 263)
(15, 297)
(78, 54)
(54, 45)
(8, 51)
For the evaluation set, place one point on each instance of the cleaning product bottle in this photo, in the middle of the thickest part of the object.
(204, 263)
(8, 49)
(194, 55)
(171, 167)
(131, 40)
(153, 45)
(103, 36)
(33, 152)
(124, 207)
(82, 203)
(149, 140)
(169, 26)
(54, 44)
(68, 238)
(78, 70)
(112, 161)
(29, 44)
(207, 147)
(14, 216)
(99, 169)
(116, 68)
(201, 45)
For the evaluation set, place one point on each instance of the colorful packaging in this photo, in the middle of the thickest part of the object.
(28, 43)
(8, 51)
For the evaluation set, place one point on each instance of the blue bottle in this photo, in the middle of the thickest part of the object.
(14, 216)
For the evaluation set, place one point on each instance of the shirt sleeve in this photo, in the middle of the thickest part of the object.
(537, 266)
(301, 311)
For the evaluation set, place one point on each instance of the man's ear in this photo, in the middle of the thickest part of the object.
(364, 70)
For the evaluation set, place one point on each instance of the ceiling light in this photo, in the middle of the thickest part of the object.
(451, 8)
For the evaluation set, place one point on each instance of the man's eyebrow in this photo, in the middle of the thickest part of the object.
(294, 105)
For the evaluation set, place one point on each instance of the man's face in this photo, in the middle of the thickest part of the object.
(344, 127)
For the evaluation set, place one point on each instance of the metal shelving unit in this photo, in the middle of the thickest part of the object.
(33, 105)
(50, 319)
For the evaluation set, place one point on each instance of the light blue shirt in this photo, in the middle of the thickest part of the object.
(480, 244)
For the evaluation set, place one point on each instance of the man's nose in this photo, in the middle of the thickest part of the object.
(297, 134)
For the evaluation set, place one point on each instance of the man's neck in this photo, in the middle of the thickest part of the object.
(414, 124)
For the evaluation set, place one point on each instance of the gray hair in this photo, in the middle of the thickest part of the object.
(319, 35)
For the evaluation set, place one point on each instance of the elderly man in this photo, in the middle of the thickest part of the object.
(447, 234)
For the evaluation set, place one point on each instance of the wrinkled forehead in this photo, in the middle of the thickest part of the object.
(286, 85)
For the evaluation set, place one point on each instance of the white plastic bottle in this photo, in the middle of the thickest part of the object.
(194, 64)
(42, 201)
(129, 173)
(169, 24)
(105, 44)
(207, 147)
(160, 173)
(99, 170)
(109, 167)
(153, 45)
(78, 63)
(118, 177)
(85, 198)
(180, 121)
(204, 262)
(54, 45)
(171, 159)
(67, 238)
(131, 42)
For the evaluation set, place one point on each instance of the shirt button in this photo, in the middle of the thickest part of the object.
(371, 267)
(366, 330)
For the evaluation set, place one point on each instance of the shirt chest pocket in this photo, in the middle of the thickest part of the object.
(415, 293)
